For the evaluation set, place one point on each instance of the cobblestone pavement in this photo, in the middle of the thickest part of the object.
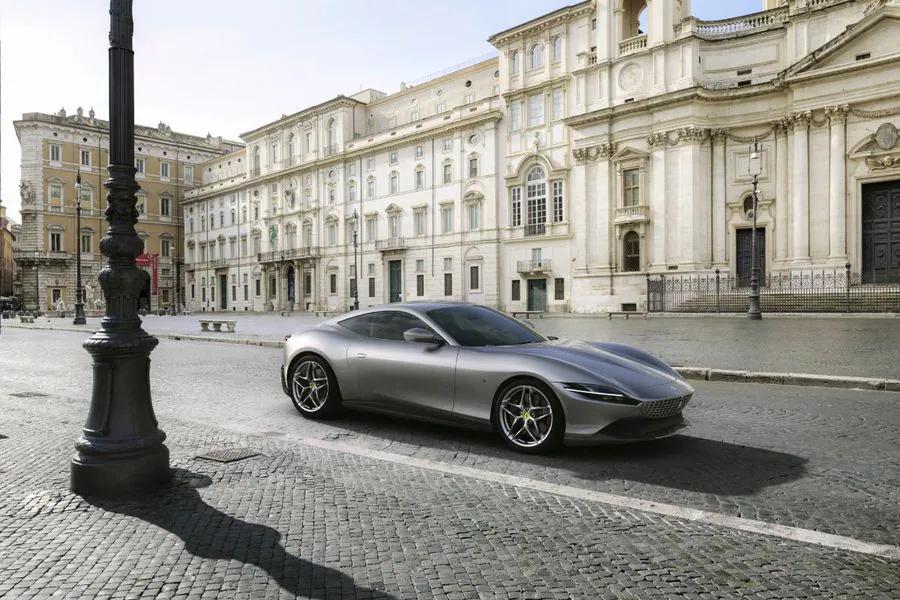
(300, 521)
(854, 346)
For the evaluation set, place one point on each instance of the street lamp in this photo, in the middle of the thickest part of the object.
(79, 291)
(121, 448)
(754, 167)
(355, 268)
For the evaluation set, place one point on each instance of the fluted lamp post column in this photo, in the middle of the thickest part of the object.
(121, 449)
(79, 290)
(754, 166)
(356, 267)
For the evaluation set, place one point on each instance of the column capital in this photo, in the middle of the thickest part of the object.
(659, 139)
(719, 135)
(690, 134)
(599, 151)
(801, 119)
(781, 126)
(837, 114)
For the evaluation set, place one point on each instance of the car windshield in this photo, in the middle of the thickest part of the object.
(480, 326)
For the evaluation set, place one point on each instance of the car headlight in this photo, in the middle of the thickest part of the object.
(602, 393)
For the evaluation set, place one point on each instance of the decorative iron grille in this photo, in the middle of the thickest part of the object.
(824, 291)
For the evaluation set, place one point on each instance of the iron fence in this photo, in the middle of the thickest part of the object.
(824, 291)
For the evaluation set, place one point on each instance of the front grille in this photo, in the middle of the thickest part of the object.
(660, 409)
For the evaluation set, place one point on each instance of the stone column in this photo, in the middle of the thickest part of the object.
(719, 197)
(781, 190)
(267, 299)
(800, 201)
(837, 189)
(298, 288)
(657, 199)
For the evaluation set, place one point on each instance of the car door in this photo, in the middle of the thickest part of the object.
(401, 376)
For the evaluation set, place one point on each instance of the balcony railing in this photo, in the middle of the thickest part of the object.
(633, 44)
(41, 255)
(329, 150)
(536, 229)
(396, 243)
(218, 263)
(632, 214)
(289, 254)
(534, 266)
(739, 26)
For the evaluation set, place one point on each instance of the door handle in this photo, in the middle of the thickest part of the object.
(360, 355)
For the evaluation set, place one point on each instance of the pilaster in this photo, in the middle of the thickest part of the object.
(719, 197)
(800, 187)
(837, 189)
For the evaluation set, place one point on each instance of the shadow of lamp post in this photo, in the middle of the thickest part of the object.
(754, 167)
(121, 449)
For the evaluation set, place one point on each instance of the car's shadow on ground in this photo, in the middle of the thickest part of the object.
(208, 533)
(682, 462)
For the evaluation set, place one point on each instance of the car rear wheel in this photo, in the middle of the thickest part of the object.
(529, 417)
(314, 390)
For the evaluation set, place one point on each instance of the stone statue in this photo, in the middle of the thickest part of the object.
(60, 305)
(25, 193)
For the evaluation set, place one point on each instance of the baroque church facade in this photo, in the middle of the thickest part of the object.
(607, 141)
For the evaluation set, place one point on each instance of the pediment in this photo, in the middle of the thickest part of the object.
(629, 153)
(874, 37)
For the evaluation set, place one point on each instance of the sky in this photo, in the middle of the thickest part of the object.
(227, 66)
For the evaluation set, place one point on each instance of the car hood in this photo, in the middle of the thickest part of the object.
(625, 372)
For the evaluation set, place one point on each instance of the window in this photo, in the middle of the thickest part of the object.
(473, 211)
(394, 226)
(392, 121)
(55, 153)
(631, 252)
(448, 144)
(371, 287)
(165, 206)
(370, 188)
(189, 174)
(370, 164)
(447, 219)
(371, 228)
(535, 110)
(165, 248)
(559, 288)
(557, 105)
(164, 169)
(56, 241)
(414, 115)
(393, 158)
(420, 178)
(474, 278)
(139, 165)
(482, 326)
(473, 167)
(193, 292)
(420, 265)
(448, 173)
(515, 115)
(420, 285)
(419, 222)
(468, 99)
(332, 283)
(395, 182)
(420, 152)
(536, 57)
(351, 192)
(243, 245)
(55, 197)
(257, 286)
(85, 158)
(448, 284)
(558, 202)
(330, 194)
(332, 234)
(537, 197)
(514, 63)
(246, 292)
(556, 52)
(448, 264)
(85, 243)
(631, 189)
(440, 107)
(233, 216)
(516, 294)
(515, 203)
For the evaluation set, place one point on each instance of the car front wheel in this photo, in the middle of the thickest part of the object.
(314, 390)
(528, 417)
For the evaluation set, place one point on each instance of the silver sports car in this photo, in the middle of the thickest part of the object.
(472, 365)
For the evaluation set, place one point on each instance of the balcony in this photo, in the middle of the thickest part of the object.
(632, 214)
(289, 254)
(27, 255)
(534, 267)
(633, 44)
(329, 150)
(535, 229)
(396, 243)
(218, 263)
(738, 26)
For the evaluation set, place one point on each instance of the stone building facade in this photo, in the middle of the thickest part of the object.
(7, 262)
(55, 150)
(611, 141)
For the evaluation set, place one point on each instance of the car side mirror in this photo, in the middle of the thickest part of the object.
(423, 336)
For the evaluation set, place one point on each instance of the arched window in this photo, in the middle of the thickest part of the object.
(514, 62)
(536, 57)
(351, 192)
(255, 164)
(395, 182)
(420, 177)
(290, 149)
(307, 233)
(631, 252)
(290, 236)
(331, 136)
(557, 49)
(536, 201)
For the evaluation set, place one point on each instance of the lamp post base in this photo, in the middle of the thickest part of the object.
(79, 314)
(119, 474)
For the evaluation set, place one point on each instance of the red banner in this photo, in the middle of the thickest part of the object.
(151, 261)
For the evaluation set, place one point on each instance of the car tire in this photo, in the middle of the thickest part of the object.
(313, 388)
(528, 417)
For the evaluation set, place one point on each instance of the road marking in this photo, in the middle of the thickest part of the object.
(797, 534)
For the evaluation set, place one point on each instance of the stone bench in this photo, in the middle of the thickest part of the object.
(528, 313)
(217, 325)
(26, 319)
(625, 314)
(326, 313)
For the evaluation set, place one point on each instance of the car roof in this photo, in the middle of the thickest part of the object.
(419, 307)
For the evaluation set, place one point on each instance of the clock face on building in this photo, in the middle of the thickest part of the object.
(886, 136)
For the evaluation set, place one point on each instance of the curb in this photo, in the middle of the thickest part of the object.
(877, 384)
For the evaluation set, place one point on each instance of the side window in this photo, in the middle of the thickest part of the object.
(390, 325)
(361, 325)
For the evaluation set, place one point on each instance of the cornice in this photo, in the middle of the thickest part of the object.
(524, 91)
(541, 23)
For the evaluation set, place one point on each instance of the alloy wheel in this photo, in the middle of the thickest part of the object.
(526, 416)
(310, 386)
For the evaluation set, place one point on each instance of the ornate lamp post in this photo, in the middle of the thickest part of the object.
(754, 166)
(79, 290)
(355, 267)
(121, 448)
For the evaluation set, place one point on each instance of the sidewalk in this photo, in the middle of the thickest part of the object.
(857, 347)
(299, 520)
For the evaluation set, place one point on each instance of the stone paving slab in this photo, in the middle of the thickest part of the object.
(306, 522)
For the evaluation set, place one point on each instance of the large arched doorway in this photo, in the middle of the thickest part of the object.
(291, 288)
